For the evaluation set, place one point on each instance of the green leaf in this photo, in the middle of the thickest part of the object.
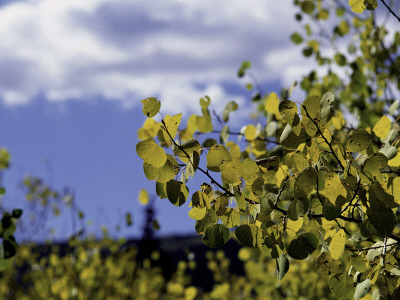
(210, 218)
(231, 171)
(358, 141)
(6, 263)
(310, 106)
(342, 286)
(177, 192)
(304, 245)
(188, 146)
(289, 139)
(340, 59)
(389, 151)
(306, 180)
(16, 213)
(296, 38)
(371, 4)
(200, 199)
(383, 221)
(162, 174)
(374, 164)
(326, 114)
(300, 161)
(327, 99)
(249, 235)
(362, 289)
(151, 106)
(151, 153)
(231, 218)
(288, 110)
(161, 190)
(327, 265)
(337, 244)
(4, 158)
(245, 65)
(331, 211)
(307, 7)
(216, 235)
(216, 156)
(268, 164)
(282, 266)
(297, 208)
(231, 106)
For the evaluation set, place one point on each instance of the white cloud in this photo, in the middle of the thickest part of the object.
(126, 50)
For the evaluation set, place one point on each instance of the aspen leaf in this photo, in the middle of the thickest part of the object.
(282, 266)
(197, 213)
(229, 107)
(151, 153)
(334, 187)
(357, 6)
(272, 105)
(337, 244)
(294, 226)
(358, 141)
(382, 127)
(326, 114)
(304, 245)
(362, 289)
(143, 197)
(288, 110)
(250, 133)
(249, 235)
(151, 106)
(326, 264)
(342, 285)
(310, 106)
(327, 100)
(149, 129)
(177, 192)
(216, 235)
(216, 156)
(171, 124)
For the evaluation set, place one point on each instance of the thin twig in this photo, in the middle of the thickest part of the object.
(376, 247)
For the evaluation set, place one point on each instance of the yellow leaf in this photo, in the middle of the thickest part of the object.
(357, 6)
(395, 161)
(382, 127)
(338, 120)
(250, 133)
(149, 129)
(334, 187)
(294, 226)
(143, 197)
(272, 105)
(171, 124)
(336, 246)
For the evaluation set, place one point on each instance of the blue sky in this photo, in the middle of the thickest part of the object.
(73, 74)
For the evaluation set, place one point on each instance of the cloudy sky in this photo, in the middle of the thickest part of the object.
(72, 74)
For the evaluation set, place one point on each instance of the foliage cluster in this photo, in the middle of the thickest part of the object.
(305, 183)
(8, 245)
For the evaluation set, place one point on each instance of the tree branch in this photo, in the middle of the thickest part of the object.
(391, 11)
(322, 135)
